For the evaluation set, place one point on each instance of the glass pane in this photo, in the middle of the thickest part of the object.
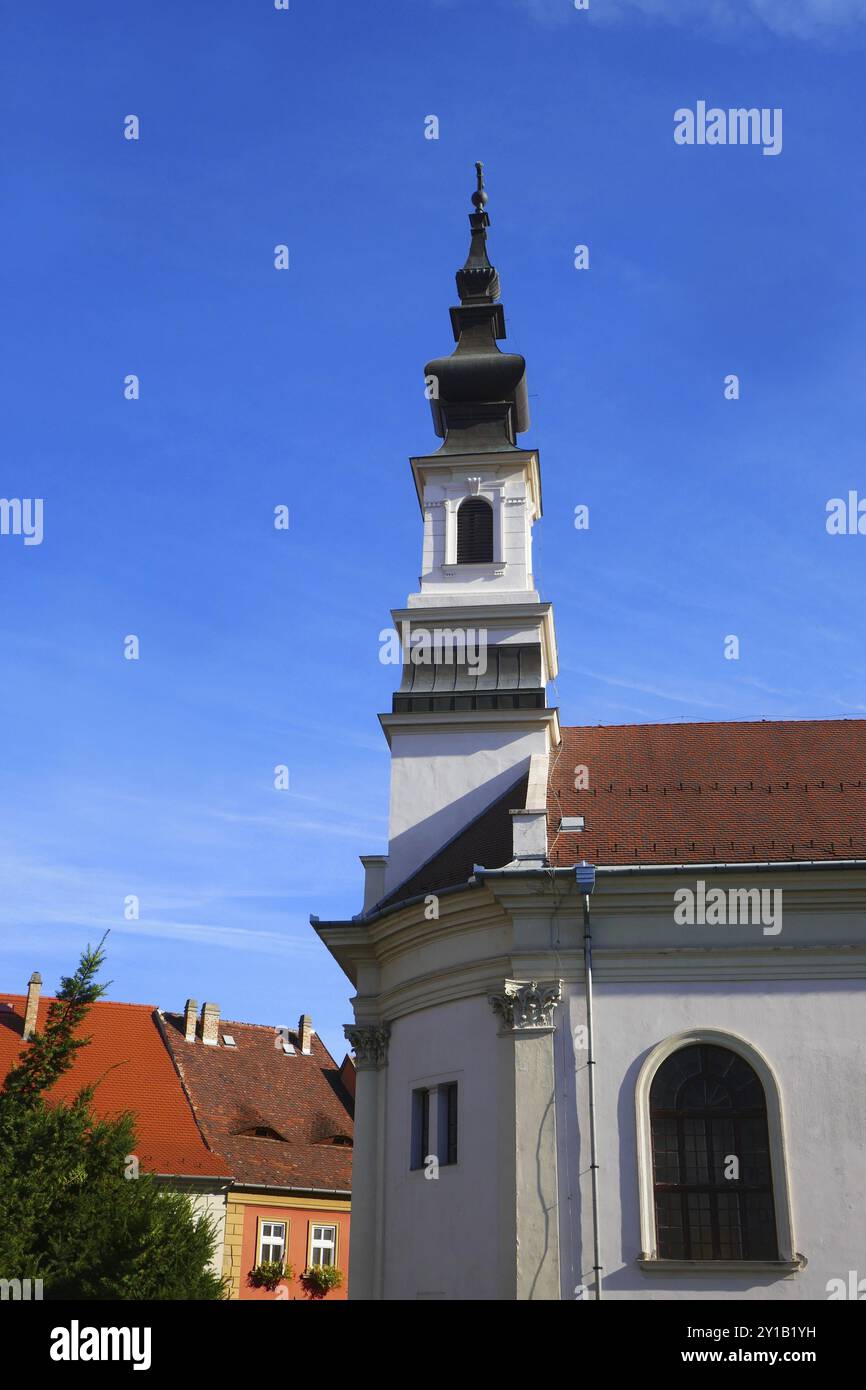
(707, 1106)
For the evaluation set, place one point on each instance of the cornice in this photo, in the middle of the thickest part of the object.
(652, 895)
(513, 459)
(493, 616)
(450, 720)
(524, 930)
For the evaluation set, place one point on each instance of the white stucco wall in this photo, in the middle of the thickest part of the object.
(442, 779)
(441, 1234)
(212, 1204)
(798, 999)
(812, 1034)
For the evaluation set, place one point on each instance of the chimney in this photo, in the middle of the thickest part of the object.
(305, 1034)
(189, 1014)
(210, 1022)
(34, 987)
(375, 867)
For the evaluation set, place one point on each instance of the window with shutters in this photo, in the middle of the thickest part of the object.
(474, 532)
(712, 1170)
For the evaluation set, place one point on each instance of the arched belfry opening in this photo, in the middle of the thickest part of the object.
(474, 532)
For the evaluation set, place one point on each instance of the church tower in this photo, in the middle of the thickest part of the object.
(477, 644)
(533, 1017)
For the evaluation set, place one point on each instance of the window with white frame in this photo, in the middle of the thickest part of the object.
(272, 1242)
(323, 1245)
(705, 1098)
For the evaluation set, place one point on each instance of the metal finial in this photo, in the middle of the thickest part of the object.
(479, 197)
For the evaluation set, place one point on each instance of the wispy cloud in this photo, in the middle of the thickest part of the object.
(679, 697)
(44, 902)
(795, 19)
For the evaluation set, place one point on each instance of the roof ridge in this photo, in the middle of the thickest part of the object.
(240, 1022)
(96, 1003)
(689, 723)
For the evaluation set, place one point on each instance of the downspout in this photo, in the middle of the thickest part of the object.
(585, 876)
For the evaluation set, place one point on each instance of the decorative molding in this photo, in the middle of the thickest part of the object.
(514, 501)
(527, 1004)
(475, 485)
(369, 1042)
(435, 502)
(782, 1268)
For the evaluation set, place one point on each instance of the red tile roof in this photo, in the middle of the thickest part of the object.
(128, 1058)
(256, 1085)
(711, 793)
(682, 794)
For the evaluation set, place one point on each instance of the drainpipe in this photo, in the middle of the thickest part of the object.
(584, 874)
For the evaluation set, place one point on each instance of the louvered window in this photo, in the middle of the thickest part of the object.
(711, 1158)
(474, 532)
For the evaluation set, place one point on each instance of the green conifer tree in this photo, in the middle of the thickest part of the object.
(69, 1214)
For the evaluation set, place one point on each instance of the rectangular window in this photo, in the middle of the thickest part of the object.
(272, 1242)
(447, 1135)
(323, 1245)
(420, 1127)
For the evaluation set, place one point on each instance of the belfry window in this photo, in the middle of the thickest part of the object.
(474, 532)
(712, 1171)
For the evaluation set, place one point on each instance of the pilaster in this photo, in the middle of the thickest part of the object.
(529, 1252)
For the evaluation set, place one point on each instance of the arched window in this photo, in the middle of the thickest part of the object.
(474, 532)
(712, 1169)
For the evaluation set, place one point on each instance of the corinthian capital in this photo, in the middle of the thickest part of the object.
(527, 1004)
(369, 1042)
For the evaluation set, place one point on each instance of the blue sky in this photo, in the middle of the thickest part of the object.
(305, 387)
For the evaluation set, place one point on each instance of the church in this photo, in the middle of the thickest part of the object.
(608, 981)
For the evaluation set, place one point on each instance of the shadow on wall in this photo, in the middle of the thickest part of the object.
(573, 1070)
(425, 841)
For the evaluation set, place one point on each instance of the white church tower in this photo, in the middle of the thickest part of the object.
(577, 1001)
(478, 645)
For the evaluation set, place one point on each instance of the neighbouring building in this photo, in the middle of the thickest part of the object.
(253, 1123)
(127, 1058)
(278, 1109)
(609, 982)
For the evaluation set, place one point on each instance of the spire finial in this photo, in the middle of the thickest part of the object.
(478, 282)
(479, 197)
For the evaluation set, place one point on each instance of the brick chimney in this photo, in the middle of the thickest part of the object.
(34, 987)
(305, 1034)
(210, 1022)
(189, 1014)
